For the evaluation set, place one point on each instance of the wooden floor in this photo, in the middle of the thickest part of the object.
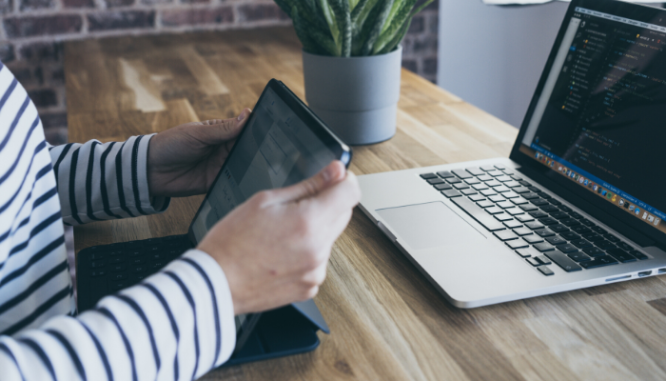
(387, 322)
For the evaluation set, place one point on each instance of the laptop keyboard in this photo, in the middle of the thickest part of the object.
(537, 227)
(104, 270)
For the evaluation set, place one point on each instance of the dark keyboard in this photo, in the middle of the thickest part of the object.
(104, 270)
(539, 228)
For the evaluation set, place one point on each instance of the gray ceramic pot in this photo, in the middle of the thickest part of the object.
(357, 97)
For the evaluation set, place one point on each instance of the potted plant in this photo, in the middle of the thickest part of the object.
(351, 62)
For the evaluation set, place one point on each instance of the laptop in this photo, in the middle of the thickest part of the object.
(282, 143)
(579, 202)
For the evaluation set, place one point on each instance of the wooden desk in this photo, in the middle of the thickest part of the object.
(387, 322)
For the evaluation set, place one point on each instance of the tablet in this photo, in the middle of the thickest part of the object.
(283, 143)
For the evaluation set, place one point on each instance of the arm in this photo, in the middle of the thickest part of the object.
(104, 181)
(178, 324)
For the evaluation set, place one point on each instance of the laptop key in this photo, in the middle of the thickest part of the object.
(538, 214)
(494, 210)
(578, 256)
(640, 256)
(445, 174)
(528, 196)
(556, 240)
(539, 202)
(517, 244)
(427, 176)
(503, 178)
(512, 224)
(485, 178)
(548, 221)
(461, 186)
(605, 245)
(485, 203)
(451, 193)
(475, 171)
(581, 243)
(435, 181)
(488, 192)
(563, 261)
(543, 247)
(521, 190)
(599, 262)
(534, 225)
(594, 251)
(558, 228)
(505, 204)
(496, 198)
(472, 181)
(533, 239)
(469, 192)
(545, 270)
(501, 189)
(477, 197)
(478, 214)
(549, 208)
(453, 180)
(512, 184)
(570, 235)
(621, 255)
(515, 211)
(545, 233)
(567, 248)
(528, 252)
(503, 217)
(493, 183)
(544, 260)
(511, 195)
(480, 187)
(505, 235)
(533, 261)
(528, 207)
(443, 187)
(461, 173)
(519, 201)
(522, 231)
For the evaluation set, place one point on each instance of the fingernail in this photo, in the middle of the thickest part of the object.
(241, 116)
(328, 173)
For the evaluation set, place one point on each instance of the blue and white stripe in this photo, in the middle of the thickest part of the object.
(176, 325)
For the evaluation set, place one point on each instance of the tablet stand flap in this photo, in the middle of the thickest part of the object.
(310, 311)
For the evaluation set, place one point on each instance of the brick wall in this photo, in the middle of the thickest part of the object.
(32, 33)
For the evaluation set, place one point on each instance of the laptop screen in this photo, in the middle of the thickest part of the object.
(600, 120)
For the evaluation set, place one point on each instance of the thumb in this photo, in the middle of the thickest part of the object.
(330, 175)
(222, 130)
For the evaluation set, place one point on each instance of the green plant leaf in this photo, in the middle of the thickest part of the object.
(422, 7)
(318, 42)
(397, 38)
(395, 27)
(397, 6)
(361, 12)
(362, 32)
(302, 32)
(341, 10)
(384, 10)
(285, 6)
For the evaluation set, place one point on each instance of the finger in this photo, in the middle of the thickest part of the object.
(218, 131)
(338, 198)
(327, 177)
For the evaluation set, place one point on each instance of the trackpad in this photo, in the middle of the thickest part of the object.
(425, 226)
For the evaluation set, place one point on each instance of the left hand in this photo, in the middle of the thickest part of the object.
(185, 160)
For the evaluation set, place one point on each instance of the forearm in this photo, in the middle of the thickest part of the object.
(178, 324)
(104, 181)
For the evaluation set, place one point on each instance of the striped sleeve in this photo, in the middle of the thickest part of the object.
(176, 325)
(98, 181)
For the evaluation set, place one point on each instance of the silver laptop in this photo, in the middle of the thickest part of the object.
(580, 202)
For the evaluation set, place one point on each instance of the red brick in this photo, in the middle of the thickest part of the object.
(43, 97)
(430, 66)
(78, 3)
(6, 6)
(42, 51)
(260, 12)
(7, 52)
(178, 17)
(30, 5)
(417, 26)
(118, 3)
(121, 20)
(50, 120)
(42, 25)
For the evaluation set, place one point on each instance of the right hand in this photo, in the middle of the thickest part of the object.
(274, 248)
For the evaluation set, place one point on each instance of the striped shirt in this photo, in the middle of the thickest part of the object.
(177, 324)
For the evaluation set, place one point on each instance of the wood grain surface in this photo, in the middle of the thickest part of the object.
(387, 322)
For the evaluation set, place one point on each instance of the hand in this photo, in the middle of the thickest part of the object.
(274, 248)
(184, 160)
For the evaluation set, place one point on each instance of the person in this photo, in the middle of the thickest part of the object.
(178, 323)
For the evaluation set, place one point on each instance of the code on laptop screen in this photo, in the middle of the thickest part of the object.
(601, 119)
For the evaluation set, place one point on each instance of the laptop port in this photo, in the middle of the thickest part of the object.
(618, 278)
(644, 273)
(661, 271)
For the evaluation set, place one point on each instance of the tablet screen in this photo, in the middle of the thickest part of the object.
(277, 149)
